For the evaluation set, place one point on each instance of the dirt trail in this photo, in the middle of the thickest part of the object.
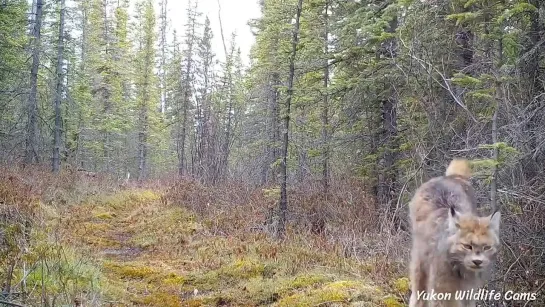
(111, 230)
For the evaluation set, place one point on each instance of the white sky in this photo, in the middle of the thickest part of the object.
(235, 15)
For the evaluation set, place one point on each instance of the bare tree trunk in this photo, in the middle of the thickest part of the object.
(276, 154)
(284, 167)
(272, 150)
(303, 168)
(144, 120)
(197, 154)
(142, 147)
(77, 148)
(369, 128)
(192, 153)
(181, 154)
(228, 60)
(84, 35)
(143, 138)
(325, 109)
(32, 22)
(495, 150)
(164, 21)
(533, 74)
(67, 152)
(221, 29)
(213, 147)
(58, 93)
(31, 149)
(204, 146)
(186, 88)
(388, 173)
(226, 145)
(106, 95)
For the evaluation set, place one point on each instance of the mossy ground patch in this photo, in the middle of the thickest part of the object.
(157, 254)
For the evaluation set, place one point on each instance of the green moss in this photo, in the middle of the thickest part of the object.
(144, 196)
(194, 303)
(129, 271)
(121, 199)
(402, 285)
(303, 281)
(392, 302)
(105, 216)
(162, 299)
(243, 269)
(237, 272)
(96, 227)
(174, 279)
(258, 290)
(206, 281)
(101, 242)
(113, 201)
(314, 298)
(338, 291)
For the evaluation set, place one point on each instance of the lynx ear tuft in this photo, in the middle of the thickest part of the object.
(495, 221)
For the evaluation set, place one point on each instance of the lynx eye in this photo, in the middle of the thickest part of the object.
(486, 247)
(467, 246)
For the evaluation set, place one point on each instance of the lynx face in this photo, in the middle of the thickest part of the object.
(473, 240)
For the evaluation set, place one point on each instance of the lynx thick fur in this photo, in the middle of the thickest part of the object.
(453, 248)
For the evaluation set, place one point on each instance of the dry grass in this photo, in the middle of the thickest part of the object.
(345, 223)
(338, 233)
(199, 246)
(165, 255)
(36, 266)
(181, 243)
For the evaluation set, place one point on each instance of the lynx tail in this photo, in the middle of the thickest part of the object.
(459, 167)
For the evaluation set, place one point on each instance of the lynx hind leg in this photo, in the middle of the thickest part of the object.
(419, 279)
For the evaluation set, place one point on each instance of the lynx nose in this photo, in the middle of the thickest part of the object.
(477, 262)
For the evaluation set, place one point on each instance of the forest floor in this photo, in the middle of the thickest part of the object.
(153, 253)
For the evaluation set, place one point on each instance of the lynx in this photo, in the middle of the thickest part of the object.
(453, 248)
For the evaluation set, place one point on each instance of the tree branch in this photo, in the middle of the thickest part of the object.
(444, 83)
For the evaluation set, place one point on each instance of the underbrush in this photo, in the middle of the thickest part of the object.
(521, 261)
(36, 268)
(340, 232)
(346, 221)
